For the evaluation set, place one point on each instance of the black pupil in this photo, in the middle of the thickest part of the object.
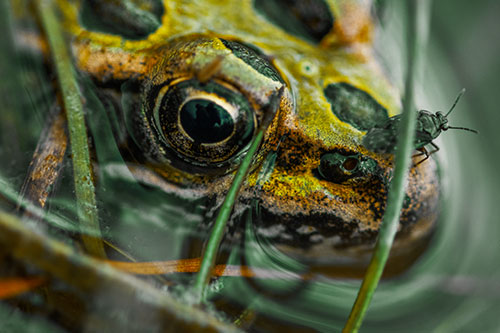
(205, 121)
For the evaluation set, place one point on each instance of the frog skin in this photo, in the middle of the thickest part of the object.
(320, 192)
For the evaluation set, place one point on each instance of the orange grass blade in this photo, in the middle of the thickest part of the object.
(158, 267)
(10, 287)
(193, 266)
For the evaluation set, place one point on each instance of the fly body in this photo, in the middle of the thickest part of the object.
(382, 138)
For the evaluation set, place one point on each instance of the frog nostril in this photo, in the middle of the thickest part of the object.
(350, 164)
(330, 168)
(338, 167)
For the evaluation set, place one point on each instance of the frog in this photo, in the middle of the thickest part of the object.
(191, 82)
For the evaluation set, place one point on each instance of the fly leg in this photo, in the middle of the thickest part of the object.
(424, 151)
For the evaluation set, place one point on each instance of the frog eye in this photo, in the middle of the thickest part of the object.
(204, 124)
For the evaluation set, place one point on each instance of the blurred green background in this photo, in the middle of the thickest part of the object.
(458, 280)
(465, 37)
(468, 36)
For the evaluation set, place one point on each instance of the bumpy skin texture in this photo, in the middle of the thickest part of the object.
(302, 210)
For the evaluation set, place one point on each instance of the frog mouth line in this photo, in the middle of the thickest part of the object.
(307, 231)
(304, 231)
(318, 241)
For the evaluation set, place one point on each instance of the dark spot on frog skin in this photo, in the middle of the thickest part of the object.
(354, 106)
(123, 18)
(307, 19)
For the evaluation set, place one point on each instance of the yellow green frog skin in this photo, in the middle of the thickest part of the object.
(321, 193)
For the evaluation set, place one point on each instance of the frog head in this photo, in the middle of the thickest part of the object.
(197, 89)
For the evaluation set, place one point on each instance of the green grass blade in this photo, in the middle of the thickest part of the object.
(217, 233)
(84, 187)
(418, 16)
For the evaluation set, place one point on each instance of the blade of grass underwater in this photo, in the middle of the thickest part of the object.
(418, 21)
(11, 196)
(84, 187)
(192, 265)
(10, 287)
(47, 161)
(208, 261)
(112, 299)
